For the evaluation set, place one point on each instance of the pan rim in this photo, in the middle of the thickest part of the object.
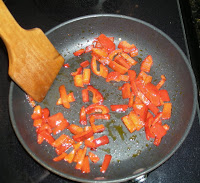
(152, 167)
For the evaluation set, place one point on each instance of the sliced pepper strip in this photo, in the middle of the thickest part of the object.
(97, 96)
(117, 67)
(126, 90)
(166, 113)
(83, 118)
(78, 80)
(64, 97)
(85, 95)
(105, 164)
(129, 59)
(75, 129)
(86, 76)
(128, 123)
(79, 52)
(119, 107)
(101, 141)
(81, 159)
(106, 42)
(121, 61)
(93, 157)
(97, 108)
(37, 112)
(86, 165)
(94, 66)
(161, 82)
(78, 71)
(60, 157)
(83, 136)
(147, 63)
(85, 63)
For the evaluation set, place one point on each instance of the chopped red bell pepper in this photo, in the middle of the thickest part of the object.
(86, 165)
(69, 157)
(122, 61)
(132, 75)
(164, 95)
(97, 96)
(97, 108)
(31, 101)
(38, 122)
(99, 52)
(147, 102)
(83, 118)
(86, 76)
(141, 110)
(101, 141)
(60, 157)
(59, 140)
(47, 136)
(147, 63)
(78, 155)
(45, 113)
(133, 52)
(83, 136)
(128, 123)
(148, 132)
(167, 109)
(37, 112)
(94, 66)
(129, 59)
(136, 120)
(66, 65)
(78, 80)
(126, 90)
(124, 77)
(93, 157)
(145, 77)
(106, 43)
(106, 162)
(118, 68)
(101, 116)
(85, 63)
(55, 119)
(65, 146)
(78, 71)
(81, 159)
(60, 127)
(119, 107)
(85, 95)
(89, 48)
(130, 102)
(113, 76)
(79, 52)
(161, 82)
(89, 142)
(114, 53)
(126, 47)
(104, 60)
(43, 127)
(75, 129)
(64, 97)
(103, 71)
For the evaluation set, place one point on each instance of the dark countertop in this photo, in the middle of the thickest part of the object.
(16, 166)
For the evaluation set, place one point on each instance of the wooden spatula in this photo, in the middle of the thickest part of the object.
(33, 61)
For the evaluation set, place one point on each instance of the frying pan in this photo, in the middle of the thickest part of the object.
(132, 154)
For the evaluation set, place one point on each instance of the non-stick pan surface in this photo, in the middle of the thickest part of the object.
(132, 154)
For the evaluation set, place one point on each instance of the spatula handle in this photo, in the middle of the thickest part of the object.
(9, 28)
